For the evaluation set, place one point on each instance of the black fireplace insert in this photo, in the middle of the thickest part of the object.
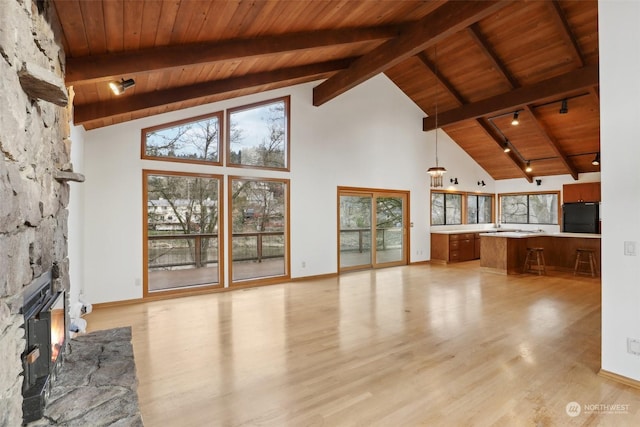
(44, 324)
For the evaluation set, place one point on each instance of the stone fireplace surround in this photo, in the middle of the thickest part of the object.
(34, 161)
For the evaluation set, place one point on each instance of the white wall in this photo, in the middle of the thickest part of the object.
(369, 137)
(619, 34)
(76, 220)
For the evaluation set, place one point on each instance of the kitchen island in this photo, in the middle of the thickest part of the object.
(505, 252)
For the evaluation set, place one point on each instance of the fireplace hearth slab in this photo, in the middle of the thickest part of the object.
(97, 383)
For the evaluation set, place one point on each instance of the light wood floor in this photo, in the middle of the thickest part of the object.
(418, 345)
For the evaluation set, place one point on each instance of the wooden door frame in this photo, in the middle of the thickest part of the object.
(375, 193)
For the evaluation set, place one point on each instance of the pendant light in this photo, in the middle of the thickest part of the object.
(436, 171)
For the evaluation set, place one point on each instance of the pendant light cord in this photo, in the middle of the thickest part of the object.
(436, 74)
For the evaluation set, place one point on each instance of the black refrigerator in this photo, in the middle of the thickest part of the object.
(580, 218)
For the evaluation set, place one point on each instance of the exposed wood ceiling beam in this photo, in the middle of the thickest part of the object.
(483, 44)
(565, 32)
(448, 19)
(542, 129)
(128, 104)
(482, 122)
(502, 69)
(111, 66)
(491, 55)
(441, 80)
(491, 132)
(543, 91)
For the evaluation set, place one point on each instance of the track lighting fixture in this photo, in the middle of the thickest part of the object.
(596, 160)
(481, 183)
(528, 168)
(505, 146)
(119, 87)
(454, 181)
(515, 120)
(564, 109)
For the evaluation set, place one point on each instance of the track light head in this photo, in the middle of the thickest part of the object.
(528, 168)
(119, 87)
(515, 121)
(564, 109)
(596, 160)
(505, 146)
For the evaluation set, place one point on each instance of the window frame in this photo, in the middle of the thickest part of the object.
(220, 284)
(528, 194)
(262, 280)
(221, 131)
(491, 203)
(464, 207)
(287, 118)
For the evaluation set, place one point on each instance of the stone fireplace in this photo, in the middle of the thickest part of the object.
(34, 193)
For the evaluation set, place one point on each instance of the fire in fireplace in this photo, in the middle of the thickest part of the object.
(44, 323)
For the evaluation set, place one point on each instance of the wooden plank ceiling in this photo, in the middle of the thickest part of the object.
(477, 63)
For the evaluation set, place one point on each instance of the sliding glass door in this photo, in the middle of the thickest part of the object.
(361, 245)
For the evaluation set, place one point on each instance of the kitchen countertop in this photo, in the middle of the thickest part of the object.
(526, 234)
(481, 230)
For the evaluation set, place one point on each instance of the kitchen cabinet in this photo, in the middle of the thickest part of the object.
(454, 247)
(584, 192)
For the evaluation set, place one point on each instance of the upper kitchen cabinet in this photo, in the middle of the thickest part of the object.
(585, 192)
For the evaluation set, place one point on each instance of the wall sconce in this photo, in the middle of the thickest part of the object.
(119, 87)
(454, 181)
(515, 121)
(564, 109)
(528, 168)
(538, 182)
(596, 160)
(481, 183)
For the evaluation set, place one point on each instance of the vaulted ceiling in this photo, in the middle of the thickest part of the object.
(476, 62)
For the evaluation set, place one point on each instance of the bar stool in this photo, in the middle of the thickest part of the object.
(534, 262)
(588, 257)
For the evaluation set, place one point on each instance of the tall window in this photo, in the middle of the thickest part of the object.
(529, 208)
(259, 228)
(195, 140)
(258, 135)
(182, 221)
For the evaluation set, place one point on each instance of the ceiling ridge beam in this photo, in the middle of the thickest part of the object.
(452, 17)
(129, 104)
(542, 91)
(497, 63)
(96, 68)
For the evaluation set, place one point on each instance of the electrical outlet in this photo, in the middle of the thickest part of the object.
(630, 249)
(633, 346)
